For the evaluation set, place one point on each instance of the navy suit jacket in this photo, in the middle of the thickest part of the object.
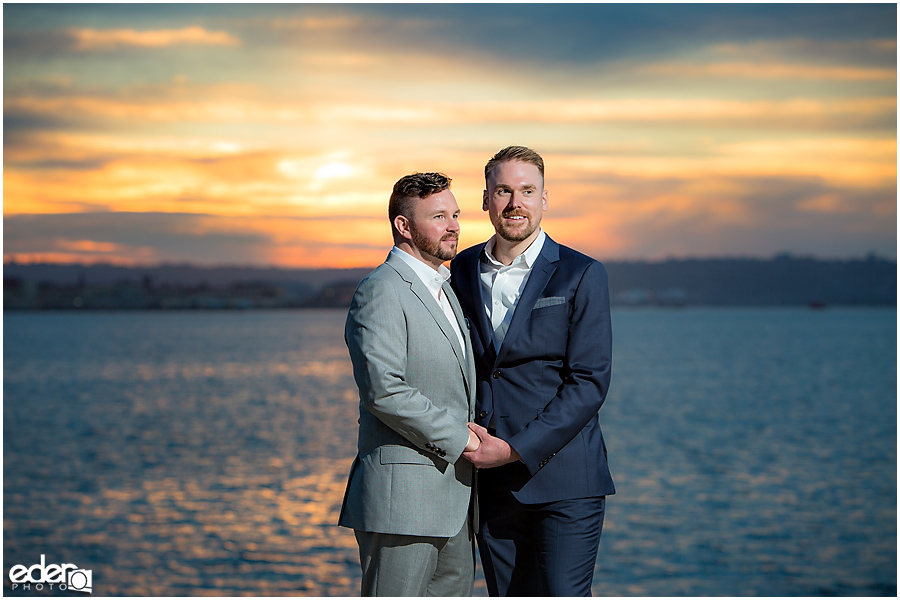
(544, 387)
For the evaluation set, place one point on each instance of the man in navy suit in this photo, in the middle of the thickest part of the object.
(541, 334)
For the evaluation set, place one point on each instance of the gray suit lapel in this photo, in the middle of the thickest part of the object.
(467, 361)
(419, 289)
(440, 318)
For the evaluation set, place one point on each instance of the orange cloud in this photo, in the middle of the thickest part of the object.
(854, 162)
(90, 39)
(340, 22)
(241, 105)
(148, 109)
(64, 173)
(160, 175)
(89, 246)
(860, 162)
(246, 184)
(773, 71)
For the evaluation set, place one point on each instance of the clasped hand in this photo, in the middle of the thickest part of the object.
(491, 452)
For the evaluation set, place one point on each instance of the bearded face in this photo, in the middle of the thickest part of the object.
(434, 228)
(441, 246)
(515, 225)
(515, 200)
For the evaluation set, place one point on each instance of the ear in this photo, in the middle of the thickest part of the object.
(401, 224)
(484, 201)
(545, 200)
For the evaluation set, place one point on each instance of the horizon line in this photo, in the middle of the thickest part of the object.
(869, 256)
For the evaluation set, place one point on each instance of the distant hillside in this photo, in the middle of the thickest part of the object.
(102, 286)
(177, 274)
(784, 280)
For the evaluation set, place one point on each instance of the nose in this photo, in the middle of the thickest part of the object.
(453, 225)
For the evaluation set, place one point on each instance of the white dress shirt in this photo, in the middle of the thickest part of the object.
(433, 280)
(501, 285)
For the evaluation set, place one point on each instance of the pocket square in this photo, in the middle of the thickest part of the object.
(551, 301)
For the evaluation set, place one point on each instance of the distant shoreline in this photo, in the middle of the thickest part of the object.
(781, 281)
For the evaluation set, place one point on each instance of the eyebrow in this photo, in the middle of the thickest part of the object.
(503, 186)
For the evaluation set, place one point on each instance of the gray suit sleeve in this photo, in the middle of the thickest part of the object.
(376, 335)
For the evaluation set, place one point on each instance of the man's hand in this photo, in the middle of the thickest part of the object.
(474, 442)
(493, 452)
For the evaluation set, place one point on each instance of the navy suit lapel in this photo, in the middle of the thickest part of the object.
(473, 292)
(543, 269)
(463, 325)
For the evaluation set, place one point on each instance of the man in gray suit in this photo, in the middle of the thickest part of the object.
(409, 495)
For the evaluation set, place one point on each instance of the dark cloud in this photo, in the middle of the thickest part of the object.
(587, 33)
(35, 43)
(520, 33)
(15, 121)
(170, 236)
(91, 164)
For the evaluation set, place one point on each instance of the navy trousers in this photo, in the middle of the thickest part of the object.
(547, 549)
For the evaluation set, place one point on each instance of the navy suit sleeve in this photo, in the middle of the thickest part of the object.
(585, 374)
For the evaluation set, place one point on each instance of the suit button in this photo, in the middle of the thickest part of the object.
(496, 374)
(482, 414)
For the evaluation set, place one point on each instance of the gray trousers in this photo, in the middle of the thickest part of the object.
(411, 565)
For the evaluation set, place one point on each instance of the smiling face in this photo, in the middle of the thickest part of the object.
(514, 199)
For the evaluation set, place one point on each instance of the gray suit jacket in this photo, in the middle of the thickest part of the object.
(416, 392)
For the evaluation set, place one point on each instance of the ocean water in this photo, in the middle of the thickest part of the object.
(206, 453)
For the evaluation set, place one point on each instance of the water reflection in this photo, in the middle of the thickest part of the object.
(242, 533)
(179, 454)
(176, 471)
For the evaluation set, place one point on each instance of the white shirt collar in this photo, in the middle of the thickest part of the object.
(529, 256)
(432, 279)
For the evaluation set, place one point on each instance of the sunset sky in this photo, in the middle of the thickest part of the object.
(272, 134)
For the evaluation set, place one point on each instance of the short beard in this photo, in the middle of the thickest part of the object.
(517, 236)
(432, 248)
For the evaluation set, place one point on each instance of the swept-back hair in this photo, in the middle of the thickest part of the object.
(412, 187)
(520, 153)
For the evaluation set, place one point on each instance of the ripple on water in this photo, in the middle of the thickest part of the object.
(196, 453)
